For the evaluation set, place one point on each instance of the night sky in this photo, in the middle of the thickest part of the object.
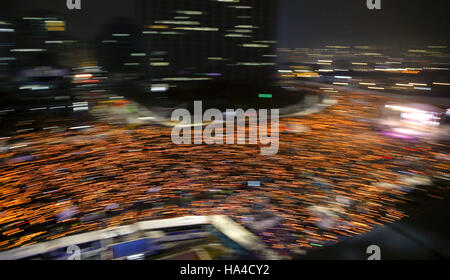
(398, 23)
(302, 23)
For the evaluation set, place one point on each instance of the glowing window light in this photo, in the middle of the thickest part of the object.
(159, 26)
(187, 22)
(159, 88)
(263, 95)
(198, 28)
(307, 75)
(343, 77)
(181, 79)
(55, 25)
(242, 31)
(28, 50)
(171, 33)
(83, 76)
(34, 87)
(404, 85)
(337, 47)
(255, 63)
(418, 84)
(367, 84)
(255, 46)
(422, 88)
(441, 84)
(241, 7)
(245, 26)
(266, 42)
(32, 18)
(185, 12)
(160, 64)
(238, 35)
(340, 84)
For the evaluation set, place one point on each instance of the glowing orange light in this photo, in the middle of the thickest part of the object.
(83, 76)
(410, 72)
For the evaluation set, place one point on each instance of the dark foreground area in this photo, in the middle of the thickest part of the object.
(421, 236)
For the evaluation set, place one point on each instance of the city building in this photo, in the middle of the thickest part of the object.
(230, 40)
(7, 42)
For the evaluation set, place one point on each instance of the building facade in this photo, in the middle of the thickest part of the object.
(231, 40)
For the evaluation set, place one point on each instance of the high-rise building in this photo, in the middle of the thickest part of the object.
(7, 42)
(119, 48)
(41, 40)
(232, 40)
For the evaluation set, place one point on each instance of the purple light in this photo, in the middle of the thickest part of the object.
(213, 74)
(397, 135)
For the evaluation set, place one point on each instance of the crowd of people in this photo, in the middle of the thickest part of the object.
(340, 177)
